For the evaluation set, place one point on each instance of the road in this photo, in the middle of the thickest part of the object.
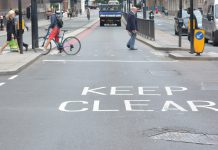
(110, 98)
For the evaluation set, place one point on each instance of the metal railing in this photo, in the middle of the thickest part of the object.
(146, 28)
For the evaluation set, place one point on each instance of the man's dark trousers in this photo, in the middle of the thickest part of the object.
(131, 41)
(131, 26)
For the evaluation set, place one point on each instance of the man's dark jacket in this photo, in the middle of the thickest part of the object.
(131, 22)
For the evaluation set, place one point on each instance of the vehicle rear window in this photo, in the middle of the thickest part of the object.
(216, 11)
(110, 8)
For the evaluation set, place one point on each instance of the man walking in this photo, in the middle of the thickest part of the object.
(16, 20)
(132, 27)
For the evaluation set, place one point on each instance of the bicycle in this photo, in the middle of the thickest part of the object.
(70, 45)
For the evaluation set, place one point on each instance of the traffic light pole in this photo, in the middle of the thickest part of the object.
(20, 27)
(191, 26)
(34, 20)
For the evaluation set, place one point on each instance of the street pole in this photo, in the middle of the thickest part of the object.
(144, 10)
(20, 27)
(34, 20)
(191, 26)
(180, 24)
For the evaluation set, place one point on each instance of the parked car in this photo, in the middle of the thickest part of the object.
(185, 17)
(199, 17)
(210, 20)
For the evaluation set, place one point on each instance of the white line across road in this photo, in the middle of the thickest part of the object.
(113, 61)
(2, 83)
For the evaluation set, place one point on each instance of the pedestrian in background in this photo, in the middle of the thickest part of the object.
(156, 10)
(10, 28)
(88, 13)
(132, 27)
(16, 20)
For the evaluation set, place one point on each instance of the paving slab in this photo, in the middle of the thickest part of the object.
(13, 62)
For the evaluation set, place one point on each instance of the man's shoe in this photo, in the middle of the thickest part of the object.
(128, 46)
(133, 49)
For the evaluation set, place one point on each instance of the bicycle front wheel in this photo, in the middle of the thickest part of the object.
(42, 42)
(71, 45)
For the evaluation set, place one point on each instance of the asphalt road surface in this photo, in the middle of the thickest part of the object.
(110, 98)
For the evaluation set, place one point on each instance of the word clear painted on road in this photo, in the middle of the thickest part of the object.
(136, 105)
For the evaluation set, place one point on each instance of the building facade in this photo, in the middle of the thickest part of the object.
(74, 4)
(173, 5)
(6, 5)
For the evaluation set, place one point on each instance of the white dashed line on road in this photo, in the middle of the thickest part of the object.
(1, 84)
(13, 77)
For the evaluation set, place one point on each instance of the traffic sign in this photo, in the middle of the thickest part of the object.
(199, 40)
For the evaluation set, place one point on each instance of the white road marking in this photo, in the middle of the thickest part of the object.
(13, 77)
(1, 84)
(113, 61)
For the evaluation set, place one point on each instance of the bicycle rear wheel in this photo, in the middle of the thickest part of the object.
(71, 45)
(42, 42)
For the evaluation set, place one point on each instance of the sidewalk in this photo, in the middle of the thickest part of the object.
(166, 42)
(13, 62)
(41, 23)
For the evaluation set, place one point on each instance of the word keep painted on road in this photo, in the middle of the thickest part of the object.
(136, 105)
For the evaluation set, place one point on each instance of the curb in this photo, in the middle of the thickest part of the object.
(195, 58)
(153, 45)
(17, 70)
(82, 29)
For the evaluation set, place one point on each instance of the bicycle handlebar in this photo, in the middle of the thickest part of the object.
(64, 30)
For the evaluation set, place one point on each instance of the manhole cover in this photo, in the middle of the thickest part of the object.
(196, 138)
(209, 86)
(164, 73)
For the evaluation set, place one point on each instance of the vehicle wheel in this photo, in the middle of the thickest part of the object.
(101, 24)
(71, 45)
(119, 24)
(42, 42)
(215, 43)
(206, 40)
